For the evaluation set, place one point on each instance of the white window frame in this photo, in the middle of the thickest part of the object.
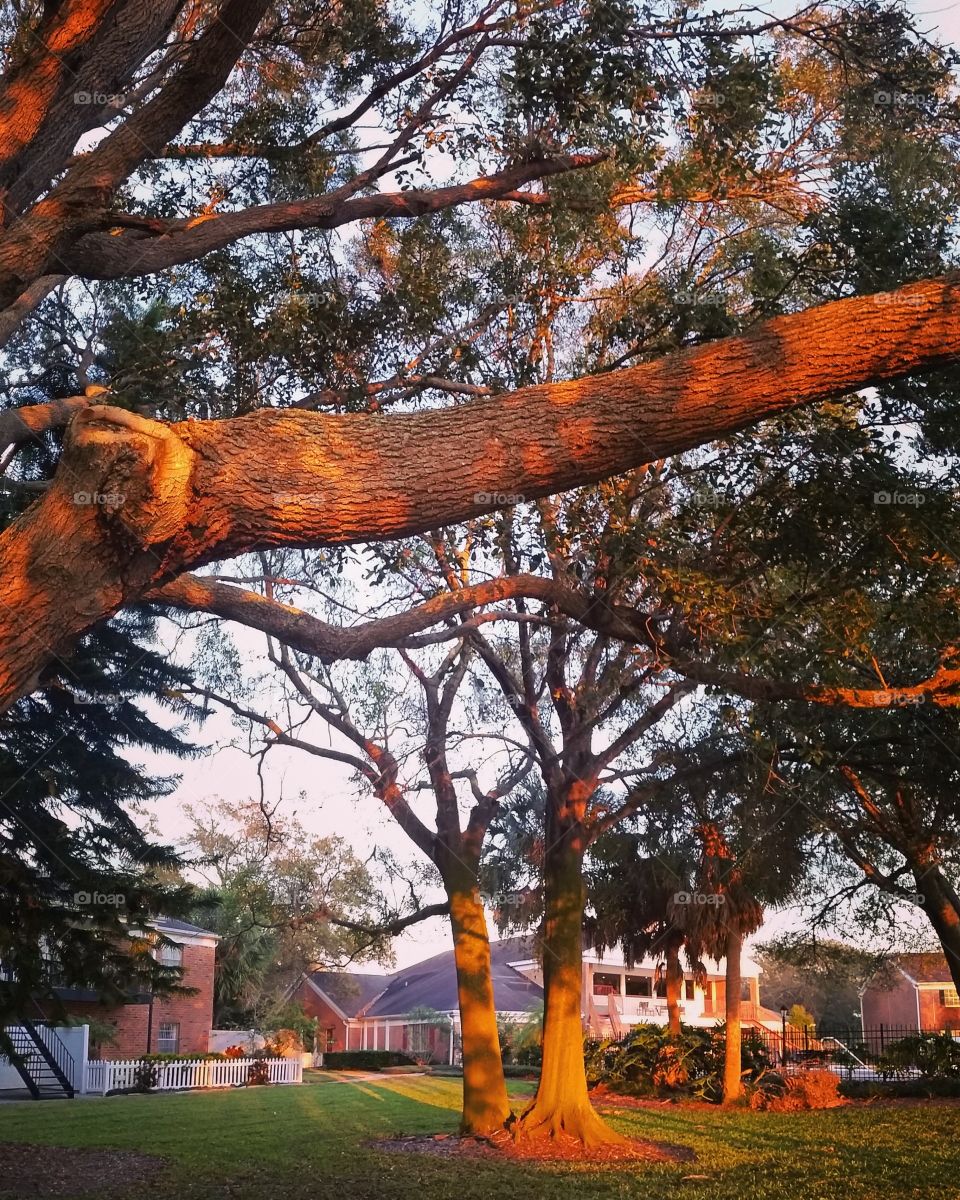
(161, 1049)
(169, 955)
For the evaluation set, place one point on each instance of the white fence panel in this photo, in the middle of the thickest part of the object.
(103, 1077)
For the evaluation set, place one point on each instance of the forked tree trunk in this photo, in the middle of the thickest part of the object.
(486, 1108)
(732, 1063)
(562, 1103)
(674, 982)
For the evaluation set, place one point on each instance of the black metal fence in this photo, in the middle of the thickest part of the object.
(877, 1054)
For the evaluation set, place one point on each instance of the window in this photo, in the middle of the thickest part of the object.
(689, 989)
(949, 998)
(661, 989)
(638, 985)
(170, 955)
(168, 1038)
(603, 984)
(745, 990)
(331, 1038)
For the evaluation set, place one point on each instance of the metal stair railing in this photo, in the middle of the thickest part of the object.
(846, 1050)
(54, 1053)
(37, 1063)
(21, 1049)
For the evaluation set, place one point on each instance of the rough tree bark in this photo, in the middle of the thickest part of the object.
(732, 1060)
(486, 1107)
(155, 500)
(562, 1103)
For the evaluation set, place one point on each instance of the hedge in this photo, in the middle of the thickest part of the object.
(926, 1089)
(366, 1060)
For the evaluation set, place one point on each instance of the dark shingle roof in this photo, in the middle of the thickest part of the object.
(433, 984)
(925, 968)
(173, 925)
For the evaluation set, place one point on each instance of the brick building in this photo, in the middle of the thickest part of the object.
(177, 1024)
(358, 1011)
(912, 991)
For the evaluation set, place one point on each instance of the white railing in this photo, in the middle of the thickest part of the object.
(103, 1077)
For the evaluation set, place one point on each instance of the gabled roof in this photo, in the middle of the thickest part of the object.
(174, 925)
(350, 992)
(925, 968)
(431, 984)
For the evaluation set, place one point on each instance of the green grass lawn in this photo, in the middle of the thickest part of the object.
(300, 1142)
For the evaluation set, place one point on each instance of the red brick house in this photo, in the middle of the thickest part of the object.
(178, 1024)
(912, 991)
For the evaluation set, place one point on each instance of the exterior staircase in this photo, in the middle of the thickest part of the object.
(41, 1059)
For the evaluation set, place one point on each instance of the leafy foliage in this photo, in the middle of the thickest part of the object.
(650, 1062)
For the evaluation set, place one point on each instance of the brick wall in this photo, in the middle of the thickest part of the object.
(315, 1006)
(896, 1005)
(193, 1013)
(936, 1015)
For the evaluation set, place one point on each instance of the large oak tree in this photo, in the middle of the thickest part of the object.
(98, 100)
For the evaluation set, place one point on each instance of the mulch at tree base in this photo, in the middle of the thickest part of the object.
(67, 1171)
(536, 1149)
(608, 1101)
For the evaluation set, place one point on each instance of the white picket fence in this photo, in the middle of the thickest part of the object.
(103, 1077)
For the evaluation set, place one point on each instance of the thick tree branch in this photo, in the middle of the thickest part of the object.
(135, 503)
(141, 251)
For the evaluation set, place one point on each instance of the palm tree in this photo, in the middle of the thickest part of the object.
(716, 917)
(630, 896)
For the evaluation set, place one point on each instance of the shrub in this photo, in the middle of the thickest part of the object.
(289, 1029)
(283, 1042)
(366, 1060)
(236, 1051)
(934, 1055)
(258, 1072)
(650, 1062)
(926, 1089)
(521, 1042)
(796, 1093)
(146, 1076)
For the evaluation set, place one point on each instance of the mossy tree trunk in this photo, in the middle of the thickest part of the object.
(486, 1108)
(562, 1103)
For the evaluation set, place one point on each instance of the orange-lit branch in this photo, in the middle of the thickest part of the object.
(157, 500)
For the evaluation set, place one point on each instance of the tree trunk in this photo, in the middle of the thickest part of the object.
(732, 1063)
(674, 982)
(486, 1107)
(562, 1103)
(942, 906)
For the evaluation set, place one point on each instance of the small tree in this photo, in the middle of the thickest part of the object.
(799, 1018)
